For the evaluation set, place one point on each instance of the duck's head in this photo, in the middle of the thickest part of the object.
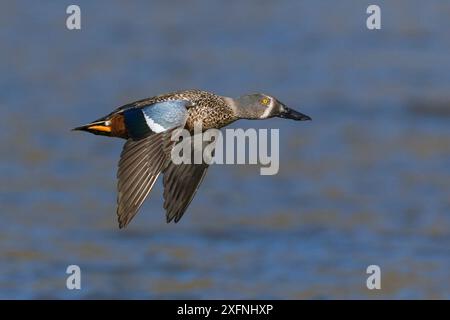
(263, 106)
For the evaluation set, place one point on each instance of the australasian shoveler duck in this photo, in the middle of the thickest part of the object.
(146, 125)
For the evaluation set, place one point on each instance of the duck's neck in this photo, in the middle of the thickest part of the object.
(238, 107)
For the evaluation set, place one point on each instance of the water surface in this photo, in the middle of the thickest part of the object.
(366, 182)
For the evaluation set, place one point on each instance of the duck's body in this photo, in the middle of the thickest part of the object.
(147, 126)
(211, 110)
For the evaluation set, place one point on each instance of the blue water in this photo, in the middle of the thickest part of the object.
(366, 182)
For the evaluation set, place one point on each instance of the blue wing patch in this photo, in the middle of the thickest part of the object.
(155, 118)
(166, 115)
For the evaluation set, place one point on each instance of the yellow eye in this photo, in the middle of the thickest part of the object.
(265, 101)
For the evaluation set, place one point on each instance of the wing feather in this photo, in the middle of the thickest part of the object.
(140, 165)
(181, 182)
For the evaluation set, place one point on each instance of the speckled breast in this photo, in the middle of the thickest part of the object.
(210, 116)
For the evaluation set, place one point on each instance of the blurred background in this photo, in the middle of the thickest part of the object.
(366, 182)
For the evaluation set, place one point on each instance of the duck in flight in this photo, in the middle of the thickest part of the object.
(147, 126)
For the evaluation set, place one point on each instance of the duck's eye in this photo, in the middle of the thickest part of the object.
(265, 101)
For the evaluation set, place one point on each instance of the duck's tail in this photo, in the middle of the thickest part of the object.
(101, 127)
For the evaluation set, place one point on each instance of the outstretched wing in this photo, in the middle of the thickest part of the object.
(181, 181)
(180, 185)
(146, 154)
(139, 166)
